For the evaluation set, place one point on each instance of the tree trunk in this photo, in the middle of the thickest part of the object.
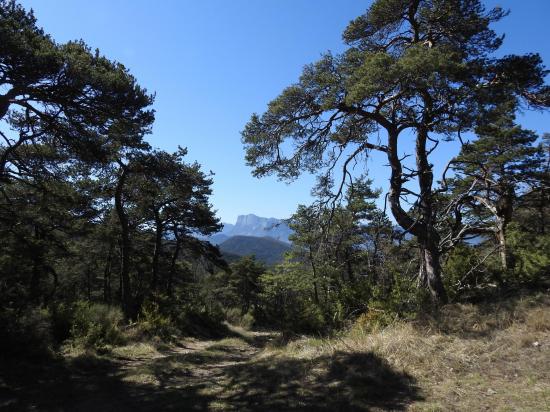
(349, 267)
(503, 252)
(505, 211)
(430, 272)
(156, 252)
(422, 228)
(314, 270)
(89, 284)
(430, 267)
(542, 212)
(37, 266)
(107, 276)
(172, 272)
(126, 290)
(4, 105)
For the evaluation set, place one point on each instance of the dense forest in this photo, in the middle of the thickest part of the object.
(102, 235)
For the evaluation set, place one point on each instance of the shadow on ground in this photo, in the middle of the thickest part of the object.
(341, 382)
(216, 378)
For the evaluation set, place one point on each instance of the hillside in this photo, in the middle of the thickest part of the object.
(266, 249)
(255, 226)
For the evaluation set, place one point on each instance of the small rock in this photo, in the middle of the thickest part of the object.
(491, 391)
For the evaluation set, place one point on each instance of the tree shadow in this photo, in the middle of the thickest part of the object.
(88, 385)
(207, 380)
(341, 382)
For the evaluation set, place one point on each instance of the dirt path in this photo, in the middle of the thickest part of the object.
(190, 375)
(231, 374)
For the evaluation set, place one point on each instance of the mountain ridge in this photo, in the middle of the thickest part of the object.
(266, 249)
(254, 226)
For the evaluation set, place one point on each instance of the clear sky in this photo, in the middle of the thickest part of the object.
(212, 63)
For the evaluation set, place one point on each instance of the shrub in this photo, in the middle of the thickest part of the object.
(235, 317)
(460, 273)
(399, 295)
(26, 333)
(96, 325)
(374, 320)
(62, 319)
(286, 302)
(152, 321)
(530, 255)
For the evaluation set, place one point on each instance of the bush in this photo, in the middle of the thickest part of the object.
(373, 320)
(530, 255)
(459, 273)
(152, 322)
(181, 315)
(286, 302)
(400, 295)
(200, 321)
(97, 325)
(235, 317)
(62, 319)
(351, 300)
(26, 333)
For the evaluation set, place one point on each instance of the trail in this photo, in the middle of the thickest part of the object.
(190, 375)
(231, 374)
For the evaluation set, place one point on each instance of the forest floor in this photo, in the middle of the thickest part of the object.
(477, 358)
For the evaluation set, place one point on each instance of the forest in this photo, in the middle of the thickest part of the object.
(112, 297)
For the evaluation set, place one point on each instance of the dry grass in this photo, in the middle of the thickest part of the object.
(137, 350)
(469, 357)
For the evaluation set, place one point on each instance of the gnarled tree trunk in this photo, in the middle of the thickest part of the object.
(423, 228)
(430, 271)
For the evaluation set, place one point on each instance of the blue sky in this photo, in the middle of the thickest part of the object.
(212, 63)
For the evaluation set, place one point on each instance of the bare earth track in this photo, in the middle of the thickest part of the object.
(233, 374)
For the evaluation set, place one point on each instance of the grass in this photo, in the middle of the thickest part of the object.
(135, 350)
(469, 357)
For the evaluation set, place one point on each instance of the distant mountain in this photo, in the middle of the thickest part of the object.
(266, 249)
(252, 225)
(218, 238)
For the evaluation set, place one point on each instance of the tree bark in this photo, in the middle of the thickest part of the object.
(430, 268)
(505, 211)
(37, 266)
(314, 270)
(107, 276)
(170, 285)
(126, 296)
(156, 252)
(349, 267)
(422, 228)
(430, 272)
(4, 105)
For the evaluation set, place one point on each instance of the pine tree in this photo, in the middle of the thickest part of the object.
(414, 69)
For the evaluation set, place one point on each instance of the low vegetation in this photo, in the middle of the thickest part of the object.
(489, 356)
(467, 357)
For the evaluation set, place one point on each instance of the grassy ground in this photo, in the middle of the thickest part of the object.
(491, 357)
(494, 357)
